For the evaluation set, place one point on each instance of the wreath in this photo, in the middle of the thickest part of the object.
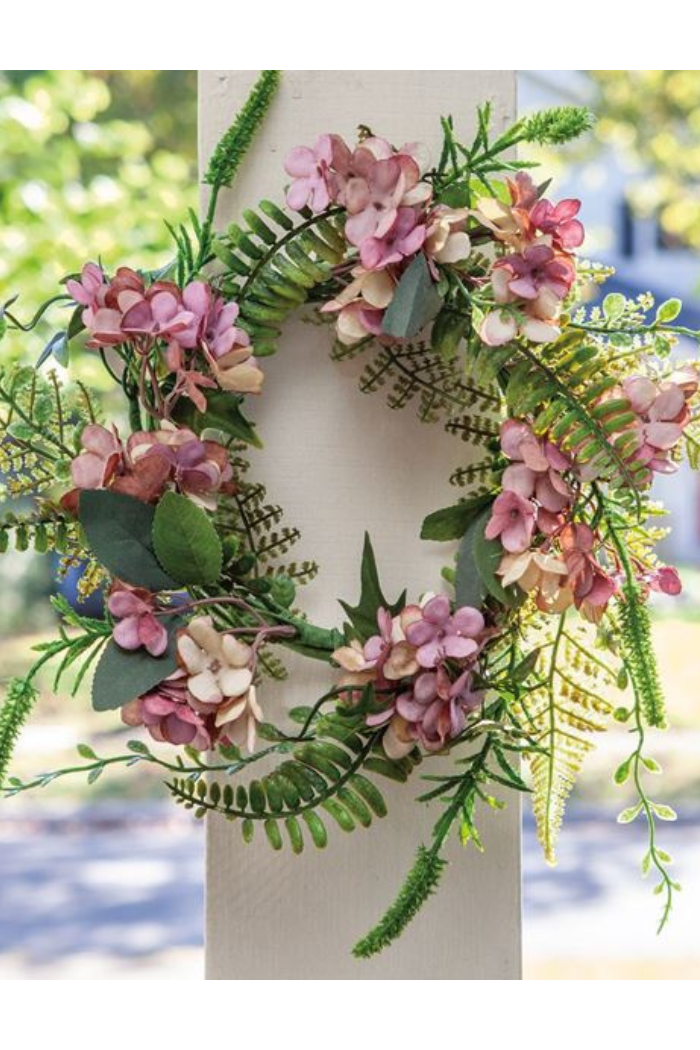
(461, 283)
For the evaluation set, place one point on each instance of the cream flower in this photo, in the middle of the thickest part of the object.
(217, 664)
(447, 241)
(544, 573)
(238, 371)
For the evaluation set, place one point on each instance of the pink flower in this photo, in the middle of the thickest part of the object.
(666, 580)
(310, 169)
(537, 275)
(137, 627)
(159, 314)
(536, 467)
(441, 635)
(373, 202)
(220, 333)
(436, 708)
(559, 222)
(663, 414)
(403, 238)
(100, 459)
(89, 290)
(166, 713)
(513, 520)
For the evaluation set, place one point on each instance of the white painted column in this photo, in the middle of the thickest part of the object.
(340, 462)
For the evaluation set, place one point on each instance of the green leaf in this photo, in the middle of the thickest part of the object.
(122, 674)
(451, 523)
(119, 529)
(629, 814)
(664, 812)
(668, 311)
(363, 617)
(448, 329)
(477, 562)
(223, 413)
(613, 306)
(622, 772)
(57, 347)
(185, 541)
(85, 751)
(415, 301)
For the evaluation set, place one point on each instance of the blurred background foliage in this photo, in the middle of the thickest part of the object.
(653, 115)
(91, 163)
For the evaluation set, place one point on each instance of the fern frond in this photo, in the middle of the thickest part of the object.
(560, 716)
(476, 477)
(16, 708)
(421, 881)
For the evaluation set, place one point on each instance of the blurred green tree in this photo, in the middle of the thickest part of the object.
(654, 115)
(91, 163)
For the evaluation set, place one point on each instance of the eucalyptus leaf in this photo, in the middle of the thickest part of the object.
(122, 675)
(118, 530)
(57, 347)
(416, 301)
(185, 541)
(477, 562)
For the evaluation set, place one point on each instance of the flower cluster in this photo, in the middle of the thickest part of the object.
(148, 463)
(390, 218)
(422, 664)
(195, 327)
(209, 699)
(531, 282)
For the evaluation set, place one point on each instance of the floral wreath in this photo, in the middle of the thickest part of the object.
(462, 284)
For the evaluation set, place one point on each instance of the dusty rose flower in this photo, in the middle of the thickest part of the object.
(373, 202)
(559, 222)
(404, 238)
(166, 713)
(198, 469)
(310, 170)
(513, 521)
(134, 608)
(666, 580)
(523, 192)
(441, 634)
(536, 469)
(592, 587)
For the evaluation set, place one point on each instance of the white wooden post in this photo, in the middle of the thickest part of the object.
(340, 462)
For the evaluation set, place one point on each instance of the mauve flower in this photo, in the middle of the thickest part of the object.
(310, 169)
(441, 634)
(523, 192)
(133, 607)
(167, 714)
(373, 202)
(198, 469)
(88, 291)
(403, 238)
(436, 708)
(559, 222)
(538, 275)
(160, 314)
(513, 521)
(536, 467)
